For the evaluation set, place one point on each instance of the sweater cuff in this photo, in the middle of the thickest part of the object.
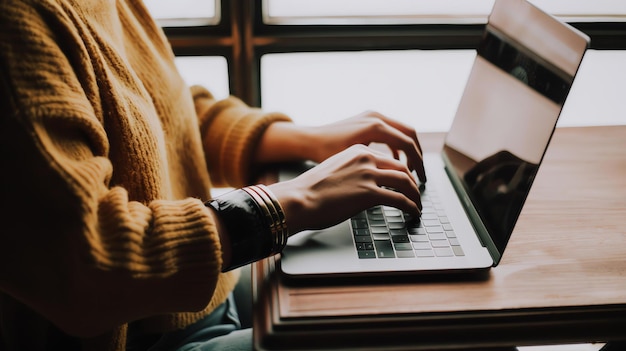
(231, 131)
(237, 158)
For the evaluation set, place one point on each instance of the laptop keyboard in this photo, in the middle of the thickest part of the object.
(386, 232)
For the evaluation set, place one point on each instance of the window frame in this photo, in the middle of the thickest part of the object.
(243, 38)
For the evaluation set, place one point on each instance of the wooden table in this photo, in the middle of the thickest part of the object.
(562, 278)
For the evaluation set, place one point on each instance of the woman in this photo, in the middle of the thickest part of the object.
(110, 238)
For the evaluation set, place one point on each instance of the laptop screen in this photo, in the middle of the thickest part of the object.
(522, 74)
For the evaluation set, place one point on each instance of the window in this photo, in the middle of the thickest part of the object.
(208, 71)
(185, 12)
(424, 11)
(419, 87)
(197, 66)
(409, 58)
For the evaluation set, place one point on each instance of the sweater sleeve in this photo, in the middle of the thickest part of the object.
(230, 132)
(74, 247)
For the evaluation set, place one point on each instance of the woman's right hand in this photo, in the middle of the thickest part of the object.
(345, 184)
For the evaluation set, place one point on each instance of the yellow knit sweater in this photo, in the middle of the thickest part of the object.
(106, 158)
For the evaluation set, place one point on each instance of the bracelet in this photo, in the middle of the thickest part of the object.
(278, 226)
(255, 222)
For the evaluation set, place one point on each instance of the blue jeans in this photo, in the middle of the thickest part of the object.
(220, 330)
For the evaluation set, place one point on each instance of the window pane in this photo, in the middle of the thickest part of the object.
(185, 12)
(208, 71)
(420, 88)
(425, 11)
(597, 95)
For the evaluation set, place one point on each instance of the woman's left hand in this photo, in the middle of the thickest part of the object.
(287, 141)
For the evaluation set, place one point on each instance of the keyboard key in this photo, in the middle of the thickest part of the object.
(359, 223)
(437, 236)
(395, 220)
(367, 254)
(398, 232)
(424, 253)
(423, 245)
(363, 239)
(403, 246)
(360, 232)
(365, 246)
(447, 227)
(444, 252)
(450, 234)
(417, 231)
(375, 210)
(429, 216)
(384, 249)
(377, 223)
(440, 243)
(454, 241)
(458, 251)
(408, 217)
(434, 229)
(391, 211)
(379, 230)
(400, 238)
(419, 238)
(414, 225)
(380, 236)
(431, 223)
(376, 216)
(405, 254)
(396, 225)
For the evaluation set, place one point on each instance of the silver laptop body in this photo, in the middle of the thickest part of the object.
(523, 71)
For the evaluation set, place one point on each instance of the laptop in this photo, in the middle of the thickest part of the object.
(477, 184)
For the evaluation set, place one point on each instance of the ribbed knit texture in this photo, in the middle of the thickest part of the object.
(106, 160)
(234, 140)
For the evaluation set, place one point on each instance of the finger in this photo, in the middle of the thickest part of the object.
(397, 140)
(396, 154)
(385, 161)
(405, 129)
(400, 182)
(390, 197)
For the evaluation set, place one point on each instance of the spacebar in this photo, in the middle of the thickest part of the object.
(384, 249)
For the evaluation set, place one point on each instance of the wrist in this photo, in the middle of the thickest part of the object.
(295, 202)
(251, 225)
(286, 142)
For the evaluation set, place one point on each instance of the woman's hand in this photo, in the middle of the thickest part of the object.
(344, 184)
(288, 142)
(365, 128)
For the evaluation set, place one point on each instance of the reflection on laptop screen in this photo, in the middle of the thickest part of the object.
(507, 116)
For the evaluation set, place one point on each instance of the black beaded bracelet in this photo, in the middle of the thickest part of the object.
(255, 222)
